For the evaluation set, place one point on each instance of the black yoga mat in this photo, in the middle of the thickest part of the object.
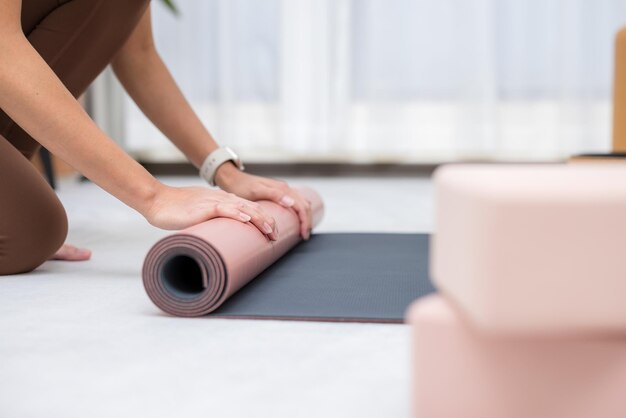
(339, 277)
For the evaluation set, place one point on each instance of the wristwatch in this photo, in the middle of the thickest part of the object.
(215, 160)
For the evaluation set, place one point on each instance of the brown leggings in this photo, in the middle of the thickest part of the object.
(77, 38)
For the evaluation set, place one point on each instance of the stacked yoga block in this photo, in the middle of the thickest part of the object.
(530, 319)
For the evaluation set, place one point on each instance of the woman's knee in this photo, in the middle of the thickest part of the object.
(37, 232)
(55, 229)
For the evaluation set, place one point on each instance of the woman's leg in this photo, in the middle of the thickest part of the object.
(33, 224)
(77, 38)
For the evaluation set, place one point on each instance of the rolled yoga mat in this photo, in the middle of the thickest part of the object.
(220, 268)
(192, 272)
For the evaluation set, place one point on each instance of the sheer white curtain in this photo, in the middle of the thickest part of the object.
(390, 80)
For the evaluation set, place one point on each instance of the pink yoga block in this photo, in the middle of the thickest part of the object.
(533, 248)
(458, 373)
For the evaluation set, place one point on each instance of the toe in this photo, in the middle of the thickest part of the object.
(71, 253)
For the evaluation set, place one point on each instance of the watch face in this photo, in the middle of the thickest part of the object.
(235, 157)
(232, 154)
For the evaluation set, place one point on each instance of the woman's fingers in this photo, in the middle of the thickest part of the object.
(228, 210)
(289, 198)
(247, 211)
(264, 223)
(243, 212)
(286, 200)
(71, 253)
(303, 209)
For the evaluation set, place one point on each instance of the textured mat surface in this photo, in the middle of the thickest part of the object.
(339, 277)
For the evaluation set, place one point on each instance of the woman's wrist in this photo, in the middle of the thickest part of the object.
(226, 174)
(147, 194)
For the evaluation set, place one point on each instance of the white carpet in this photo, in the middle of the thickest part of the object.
(83, 339)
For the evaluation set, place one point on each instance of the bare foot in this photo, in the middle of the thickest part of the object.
(71, 253)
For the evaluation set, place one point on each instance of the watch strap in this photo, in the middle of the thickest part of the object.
(215, 160)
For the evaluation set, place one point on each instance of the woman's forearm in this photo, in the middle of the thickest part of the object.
(32, 95)
(147, 80)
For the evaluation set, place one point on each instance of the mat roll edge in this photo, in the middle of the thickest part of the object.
(193, 272)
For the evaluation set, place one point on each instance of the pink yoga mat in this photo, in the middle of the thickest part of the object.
(194, 271)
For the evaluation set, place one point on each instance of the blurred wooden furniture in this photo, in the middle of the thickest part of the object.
(619, 94)
(618, 152)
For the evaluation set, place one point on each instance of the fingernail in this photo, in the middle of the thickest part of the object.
(287, 201)
(244, 217)
(267, 228)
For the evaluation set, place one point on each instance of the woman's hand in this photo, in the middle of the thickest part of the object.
(179, 208)
(146, 78)
(245, 185)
